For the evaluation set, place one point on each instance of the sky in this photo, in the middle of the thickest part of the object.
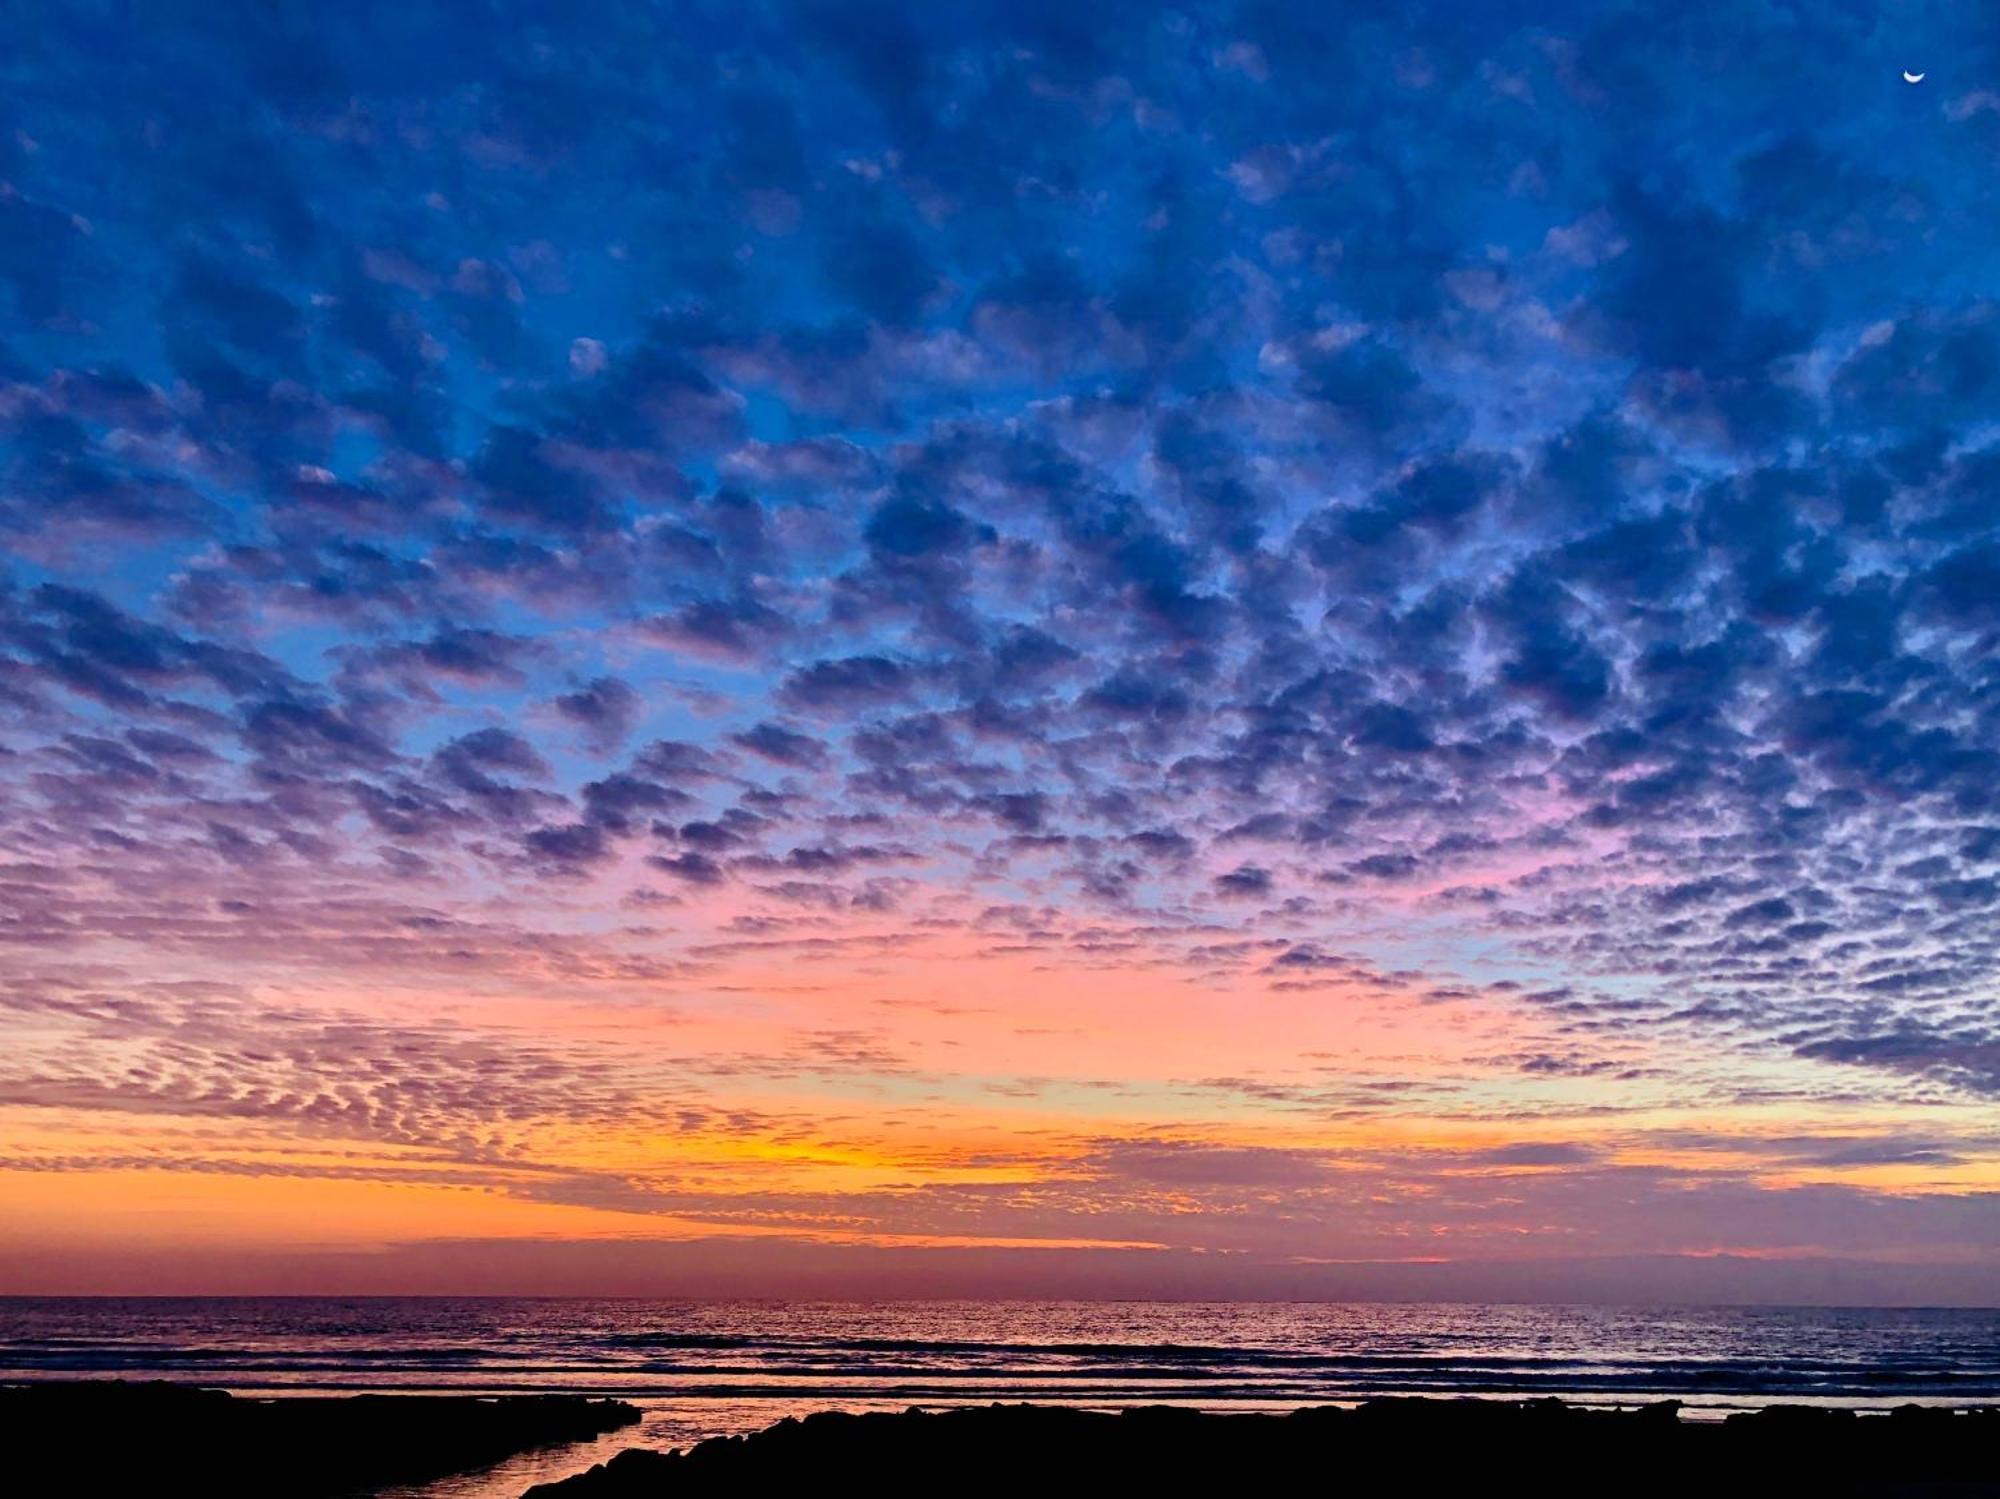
(1001, 648)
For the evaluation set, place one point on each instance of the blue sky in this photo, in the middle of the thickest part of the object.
(526, 529)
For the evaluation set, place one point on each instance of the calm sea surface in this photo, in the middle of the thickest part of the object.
(703, 1368)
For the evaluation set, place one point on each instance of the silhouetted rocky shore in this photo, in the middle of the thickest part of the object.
(1387, 1447)
(118, 1439)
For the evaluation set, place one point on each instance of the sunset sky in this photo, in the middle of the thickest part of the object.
(1044, 648)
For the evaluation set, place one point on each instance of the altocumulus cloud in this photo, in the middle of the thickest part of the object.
(1529, 500)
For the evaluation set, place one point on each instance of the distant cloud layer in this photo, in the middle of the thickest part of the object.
(1270, 628)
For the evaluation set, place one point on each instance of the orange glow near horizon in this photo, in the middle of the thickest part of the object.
(943, 1093)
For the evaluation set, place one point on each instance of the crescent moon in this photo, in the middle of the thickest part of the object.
(1909, 77)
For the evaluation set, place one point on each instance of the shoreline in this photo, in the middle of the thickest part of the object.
(1111, 1397)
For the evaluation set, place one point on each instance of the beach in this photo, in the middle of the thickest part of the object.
(114, 1438)
(454, 1385)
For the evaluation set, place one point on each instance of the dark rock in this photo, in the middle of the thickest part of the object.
(1405, 1448)
(110, 1438)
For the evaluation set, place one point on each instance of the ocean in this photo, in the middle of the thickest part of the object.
(700, 1369)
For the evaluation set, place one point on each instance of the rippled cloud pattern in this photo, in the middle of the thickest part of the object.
(1267, 631)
